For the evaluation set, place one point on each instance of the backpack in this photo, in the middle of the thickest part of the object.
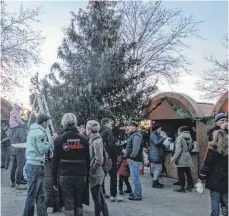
(107, 162)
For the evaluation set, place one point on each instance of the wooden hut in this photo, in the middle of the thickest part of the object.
(5, 110)
(162, 108)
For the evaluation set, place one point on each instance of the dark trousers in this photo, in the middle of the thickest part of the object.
(103, 185)
(113, 179)
(5, 156)
(216, 198)
(182, 171)
(100, 204)
(126, 180)
(18, 162)
(72, 189)
(36, 191)
(164, 170)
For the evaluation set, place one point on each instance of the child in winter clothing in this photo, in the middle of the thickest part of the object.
(124, 173)
(215, 171)
(15, 118)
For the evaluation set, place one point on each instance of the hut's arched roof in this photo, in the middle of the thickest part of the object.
(6, 103)
(182, 101)
(221, 105)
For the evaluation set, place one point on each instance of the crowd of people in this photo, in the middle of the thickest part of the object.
(83, 156)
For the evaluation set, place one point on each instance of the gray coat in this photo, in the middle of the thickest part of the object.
(96, 158)
(182, 156)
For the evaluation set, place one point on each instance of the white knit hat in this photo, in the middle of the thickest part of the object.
(69, 119)
(93, 125)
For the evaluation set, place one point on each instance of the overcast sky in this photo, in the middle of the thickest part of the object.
(56, 15)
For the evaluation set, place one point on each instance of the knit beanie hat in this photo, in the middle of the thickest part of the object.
(42, 118)
(69, 119)
(220, 116)
(183, 128)
(93, 125)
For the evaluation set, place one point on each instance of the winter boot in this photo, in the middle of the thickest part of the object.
(181, 190)
(189, 188)
(128, 191)
(156, 184)
(106, 196)
(79, 212)
(20, 187)
(121, 192)
(12, 185)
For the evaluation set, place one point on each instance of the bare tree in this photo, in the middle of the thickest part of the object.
(20, 45)
(158, 36)
(214, 81)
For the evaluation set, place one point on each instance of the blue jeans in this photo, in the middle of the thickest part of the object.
(134, 174)
(156, 171)
(215, 201)
(36, 191)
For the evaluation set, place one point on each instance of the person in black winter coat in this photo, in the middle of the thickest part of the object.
(220, 119)
(111, 148)
(215, 172)
(71, 164)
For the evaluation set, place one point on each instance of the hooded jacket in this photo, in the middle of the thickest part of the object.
(36, 147)
(15, 118)
(182, 155)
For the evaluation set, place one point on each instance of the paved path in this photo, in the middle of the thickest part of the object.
(158, 202)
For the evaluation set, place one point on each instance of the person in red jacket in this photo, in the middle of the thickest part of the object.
(124, 173)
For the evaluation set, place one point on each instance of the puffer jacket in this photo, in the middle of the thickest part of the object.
(182, 155)
(96, 160)
(156, 148)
